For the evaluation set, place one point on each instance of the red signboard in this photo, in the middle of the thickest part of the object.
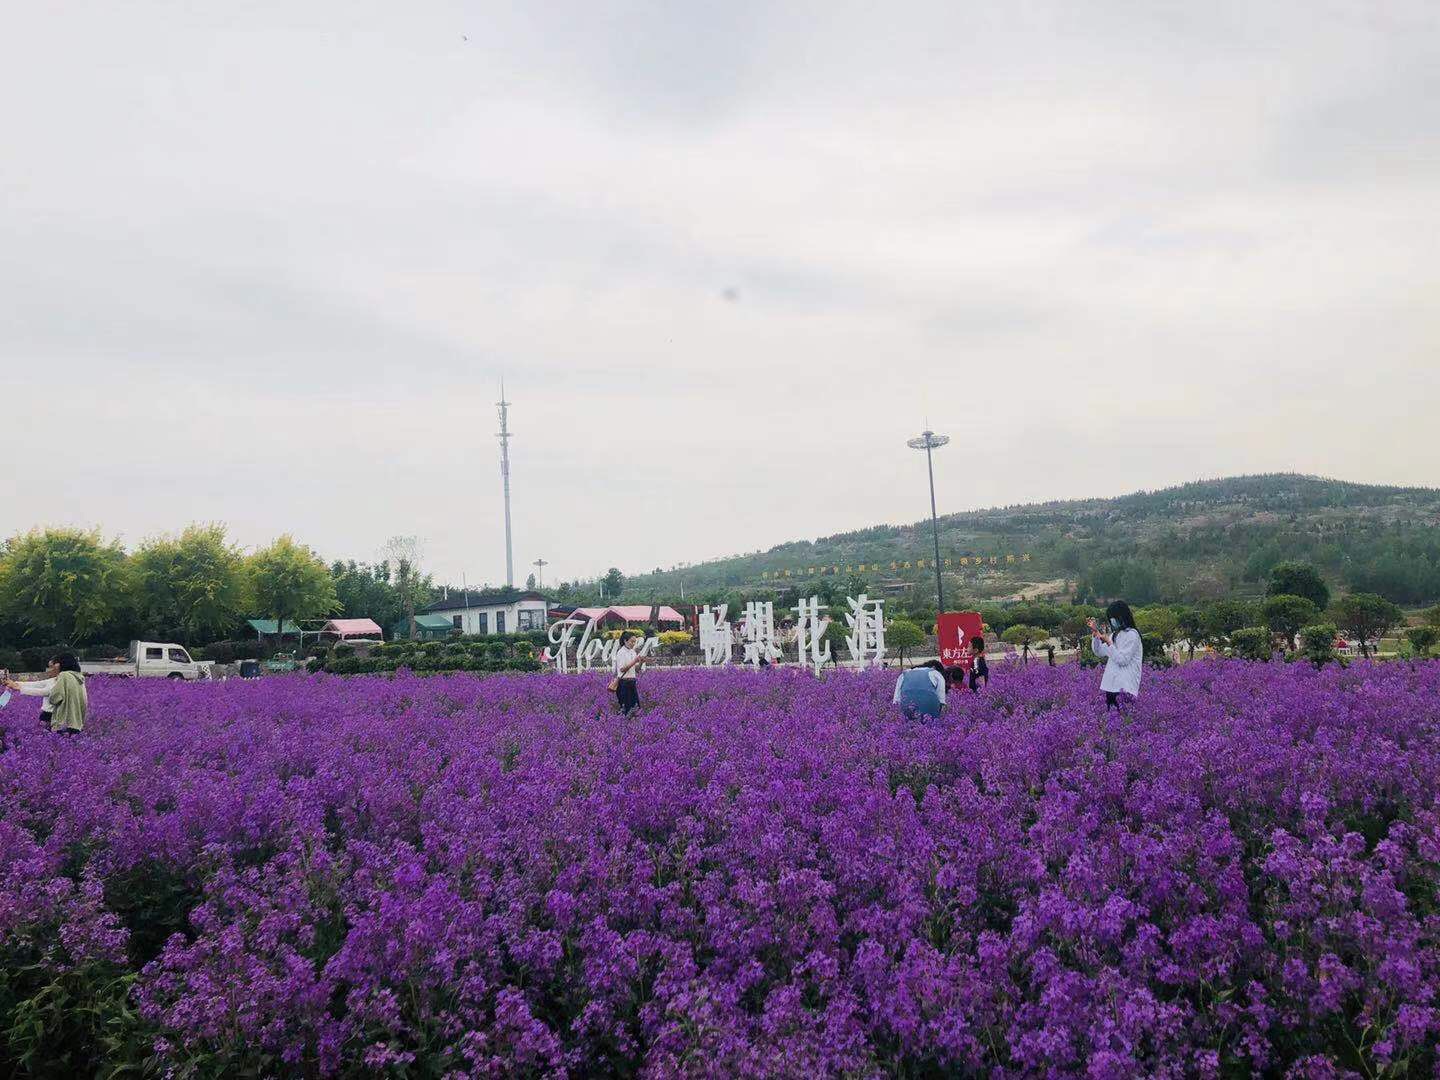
(956, 629)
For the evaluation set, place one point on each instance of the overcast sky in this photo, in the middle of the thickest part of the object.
(266, 263)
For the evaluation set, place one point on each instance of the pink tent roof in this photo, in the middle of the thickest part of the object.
(353, 627)
(587, 613)
(641, 613)
(628, 612)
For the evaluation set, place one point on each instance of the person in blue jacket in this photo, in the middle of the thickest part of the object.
(921, 691)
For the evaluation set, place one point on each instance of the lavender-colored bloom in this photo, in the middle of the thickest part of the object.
(758, 873)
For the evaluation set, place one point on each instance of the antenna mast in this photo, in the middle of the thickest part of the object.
(504, 436)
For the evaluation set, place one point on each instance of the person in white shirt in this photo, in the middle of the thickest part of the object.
(628, 663)
(1124, 653)
(921, 691)
(40, 688)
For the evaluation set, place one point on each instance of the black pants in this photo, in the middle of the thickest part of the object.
(628, 694)
(1113, 700)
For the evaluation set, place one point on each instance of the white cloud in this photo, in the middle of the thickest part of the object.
(275, 259)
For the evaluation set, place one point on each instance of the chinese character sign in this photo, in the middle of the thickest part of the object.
(866, 639)
(715, 636)
(759, 627)
(956, 630)
(810, 633)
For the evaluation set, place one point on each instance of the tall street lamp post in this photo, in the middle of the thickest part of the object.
(930, 442)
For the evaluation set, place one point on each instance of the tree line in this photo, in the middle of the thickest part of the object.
(1297, 613)
(61, 586)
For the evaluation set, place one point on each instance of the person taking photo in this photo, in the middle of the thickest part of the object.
(628, 663)
(1118, 643)
(63, 688)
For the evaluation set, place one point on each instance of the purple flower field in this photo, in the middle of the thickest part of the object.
(758, 874)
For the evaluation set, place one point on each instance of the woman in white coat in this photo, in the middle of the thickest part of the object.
(1124, 653)
(40, 688)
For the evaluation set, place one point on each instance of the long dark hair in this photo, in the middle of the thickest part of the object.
(67, 661)
(1121, 613)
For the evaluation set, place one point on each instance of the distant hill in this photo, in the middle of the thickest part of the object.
(1195, 541)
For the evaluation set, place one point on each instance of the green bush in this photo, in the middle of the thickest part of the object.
(1317, 643)
(102, 652)
(228, 652)
(420, 663)
(1422, 639)
(35, 657)
(1252, 643)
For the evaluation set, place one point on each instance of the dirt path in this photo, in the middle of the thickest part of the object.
(1034, 592)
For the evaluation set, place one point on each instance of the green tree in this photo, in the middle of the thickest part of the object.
(1190, 624)
(1025, 638)
(290, 582)
(363, 592)
(1423, 638)
(613, 583)
(64, 585)
(413, 589)
(996, 618)
(1252, 643)
(1366, 618)
(193, 586)
(1317, 643)
(1222, 618)
(1299, 579)
(1074, 630)
(902, 634)
(1158, 624)
(1432, 615)
(1285, 614)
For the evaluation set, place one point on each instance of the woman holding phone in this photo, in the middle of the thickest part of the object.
(628, 662)
(1118, 642)
(63, 689)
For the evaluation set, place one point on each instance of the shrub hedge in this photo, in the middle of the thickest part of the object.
(496, 652)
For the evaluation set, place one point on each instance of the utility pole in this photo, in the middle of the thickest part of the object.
(504, 436)
(540, 564)
(930, 442)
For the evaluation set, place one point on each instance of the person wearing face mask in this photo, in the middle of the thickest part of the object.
(39, 688)
(1120, 645)
(63, 688)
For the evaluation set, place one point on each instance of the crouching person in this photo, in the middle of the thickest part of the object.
(921, 691)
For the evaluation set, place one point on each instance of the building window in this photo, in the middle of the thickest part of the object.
(457, 621)
(499, 622)
(483, 625)
(527, 620)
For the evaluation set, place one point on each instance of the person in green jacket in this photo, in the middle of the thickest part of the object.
(68, 700)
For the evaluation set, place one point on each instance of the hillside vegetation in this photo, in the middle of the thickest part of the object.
(1197, 541)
